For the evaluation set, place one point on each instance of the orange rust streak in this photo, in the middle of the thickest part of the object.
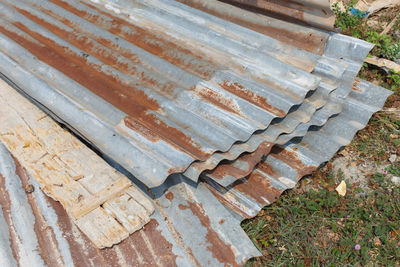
(291, 159)
(221, 198)
(220, 250)
(169, 196)
(127, 98)
(259, 188)
(219, 100)
(147, 41)
(5, 202)
(142, 130)
(266, 168)
(227, 168)
(239, 90)
(309, 42)
(88, 45)
(162, 247)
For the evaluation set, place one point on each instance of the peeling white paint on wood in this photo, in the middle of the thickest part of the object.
(92, 192)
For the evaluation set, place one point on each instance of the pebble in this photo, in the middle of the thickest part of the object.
(392, 158)
(29, 188)
(396, 180)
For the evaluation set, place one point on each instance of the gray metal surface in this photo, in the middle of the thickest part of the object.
(189, 228)
(286, 164)
(308, 12)
(288, 31)
(172, 100)
(162, 87)
(328, 100)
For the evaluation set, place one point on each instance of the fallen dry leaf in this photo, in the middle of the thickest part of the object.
(377, 241)
(341, 188)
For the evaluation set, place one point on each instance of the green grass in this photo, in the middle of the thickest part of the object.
(380, 136)
(386, 45)
(321, 228)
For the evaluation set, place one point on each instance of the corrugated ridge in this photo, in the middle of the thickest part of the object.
(278, 132)
(163, 111)
(286, 164)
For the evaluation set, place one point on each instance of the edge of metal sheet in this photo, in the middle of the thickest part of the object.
(287, 164)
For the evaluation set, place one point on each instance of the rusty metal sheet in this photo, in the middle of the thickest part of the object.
(288, 31)
(315, 13)
(140, 78)
(163, 86)
(326, 101)
(189, 228)
(286, 164)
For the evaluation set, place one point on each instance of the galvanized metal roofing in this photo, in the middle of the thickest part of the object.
(309, 12)
(162, 87)
(171, 103)
(286, 164)
(190, 226)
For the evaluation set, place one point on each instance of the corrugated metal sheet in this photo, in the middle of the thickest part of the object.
(190, 226)
(288, 31)
(160, 88)
(288, 163)
(326, 101)
(167, 95)
(309, 12)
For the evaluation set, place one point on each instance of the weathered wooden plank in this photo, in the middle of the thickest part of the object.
(110, 192)
(103, 203)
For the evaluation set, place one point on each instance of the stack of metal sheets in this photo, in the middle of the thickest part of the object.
(211, 109)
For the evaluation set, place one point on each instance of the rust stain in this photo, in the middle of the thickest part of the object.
(134, 250)
(266, 168)
(355, 88)
(292, 159)
(140, 129)
(291, 9)
(259, 101)
(92, 48)
(128, 98)
(169, 196)
(167, 50)
(6, 207)
(219, 249)
(48, 244)
(258, 187)
(219, 100)
(162, 248)
(81, 248)
(305, 41)
(228, 203)
(252, 159)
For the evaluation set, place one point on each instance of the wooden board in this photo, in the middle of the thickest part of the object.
(103, 203)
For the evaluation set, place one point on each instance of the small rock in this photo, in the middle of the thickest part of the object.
(392, 158)
(396, 180)
(29, 188)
